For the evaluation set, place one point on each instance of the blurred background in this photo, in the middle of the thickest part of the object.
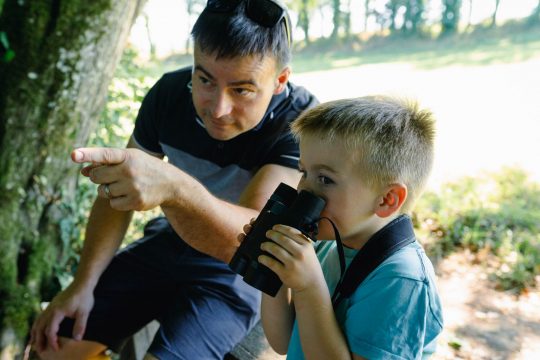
(474, 63)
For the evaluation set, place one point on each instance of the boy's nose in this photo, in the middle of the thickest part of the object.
(304, 186)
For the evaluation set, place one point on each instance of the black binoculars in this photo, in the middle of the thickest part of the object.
(288, 207)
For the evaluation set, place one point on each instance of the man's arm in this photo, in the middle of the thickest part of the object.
(211, 225)
(138, 181)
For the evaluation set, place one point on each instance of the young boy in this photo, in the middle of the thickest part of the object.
(369, 158)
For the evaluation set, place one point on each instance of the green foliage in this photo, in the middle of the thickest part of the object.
(6, 53)
(498, 213)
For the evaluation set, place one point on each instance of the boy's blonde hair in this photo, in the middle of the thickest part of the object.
(390, 139)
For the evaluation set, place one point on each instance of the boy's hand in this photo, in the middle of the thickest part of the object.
(297, 264)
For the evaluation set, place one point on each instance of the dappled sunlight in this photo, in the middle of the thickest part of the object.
(481, 322)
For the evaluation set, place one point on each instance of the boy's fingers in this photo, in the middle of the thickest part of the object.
(292, 233)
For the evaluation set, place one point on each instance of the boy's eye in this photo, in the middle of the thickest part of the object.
(325, 180)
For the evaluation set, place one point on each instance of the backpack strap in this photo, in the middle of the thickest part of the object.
(391, 238)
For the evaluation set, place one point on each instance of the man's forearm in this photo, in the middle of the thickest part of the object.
(212, 225)
(205, 222)
(104, 233)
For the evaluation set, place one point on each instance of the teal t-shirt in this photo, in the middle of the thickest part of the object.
(394, 314)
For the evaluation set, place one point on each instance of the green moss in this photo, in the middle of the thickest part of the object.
(17, 307)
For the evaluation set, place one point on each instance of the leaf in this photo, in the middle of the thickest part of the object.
(8, 56)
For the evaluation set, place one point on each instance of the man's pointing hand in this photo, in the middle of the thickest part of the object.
(130, 178)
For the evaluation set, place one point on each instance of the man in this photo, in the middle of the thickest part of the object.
(223, 125)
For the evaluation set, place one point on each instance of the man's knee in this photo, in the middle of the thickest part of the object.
(75, 350)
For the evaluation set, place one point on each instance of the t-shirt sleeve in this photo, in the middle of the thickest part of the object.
(146, 133)
(387, 319)
(284, 151)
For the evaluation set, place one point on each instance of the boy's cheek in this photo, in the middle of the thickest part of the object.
(326, 232)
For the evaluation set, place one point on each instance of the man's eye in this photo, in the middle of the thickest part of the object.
(242, 91)
(204, 80)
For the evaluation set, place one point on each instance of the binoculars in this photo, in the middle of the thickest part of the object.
(288, 207)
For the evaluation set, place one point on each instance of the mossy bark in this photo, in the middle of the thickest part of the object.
(51, 95)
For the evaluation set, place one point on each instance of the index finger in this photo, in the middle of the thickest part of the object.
(108, 156)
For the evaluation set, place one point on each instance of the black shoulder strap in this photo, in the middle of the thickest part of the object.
(394, 236)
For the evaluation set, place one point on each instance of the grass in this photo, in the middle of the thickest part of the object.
(509, 43)
(497, 214)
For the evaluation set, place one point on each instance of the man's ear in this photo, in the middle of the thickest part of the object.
(391, 201)
(282, 79)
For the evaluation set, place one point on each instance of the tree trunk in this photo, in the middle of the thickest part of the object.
(347, 20)
(450, 16)
(414, 16)
(303, 19)
(469, 19)
(367, 13)
(336, 18)
(51, 95)
(535, 15)
(494, 16)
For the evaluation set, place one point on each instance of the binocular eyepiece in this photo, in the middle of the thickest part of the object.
(287, 207)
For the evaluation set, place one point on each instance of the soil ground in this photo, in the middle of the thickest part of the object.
(482, 322)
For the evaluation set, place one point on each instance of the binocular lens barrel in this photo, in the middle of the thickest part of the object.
(287, 207)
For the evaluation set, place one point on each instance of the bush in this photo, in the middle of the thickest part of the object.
(498, 212)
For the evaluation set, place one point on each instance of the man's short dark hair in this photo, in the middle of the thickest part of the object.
(233, 34)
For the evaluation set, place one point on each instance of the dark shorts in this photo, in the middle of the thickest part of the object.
(204, 309)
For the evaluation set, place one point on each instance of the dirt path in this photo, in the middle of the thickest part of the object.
(481, 322)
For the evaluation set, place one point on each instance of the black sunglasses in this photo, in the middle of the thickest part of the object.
(267, 13)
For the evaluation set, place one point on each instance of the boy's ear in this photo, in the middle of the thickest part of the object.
(391, 200)
(281, 80)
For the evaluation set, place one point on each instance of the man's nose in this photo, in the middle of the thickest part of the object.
(222, 106)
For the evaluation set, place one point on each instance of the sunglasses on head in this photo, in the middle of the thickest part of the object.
(267, 13)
